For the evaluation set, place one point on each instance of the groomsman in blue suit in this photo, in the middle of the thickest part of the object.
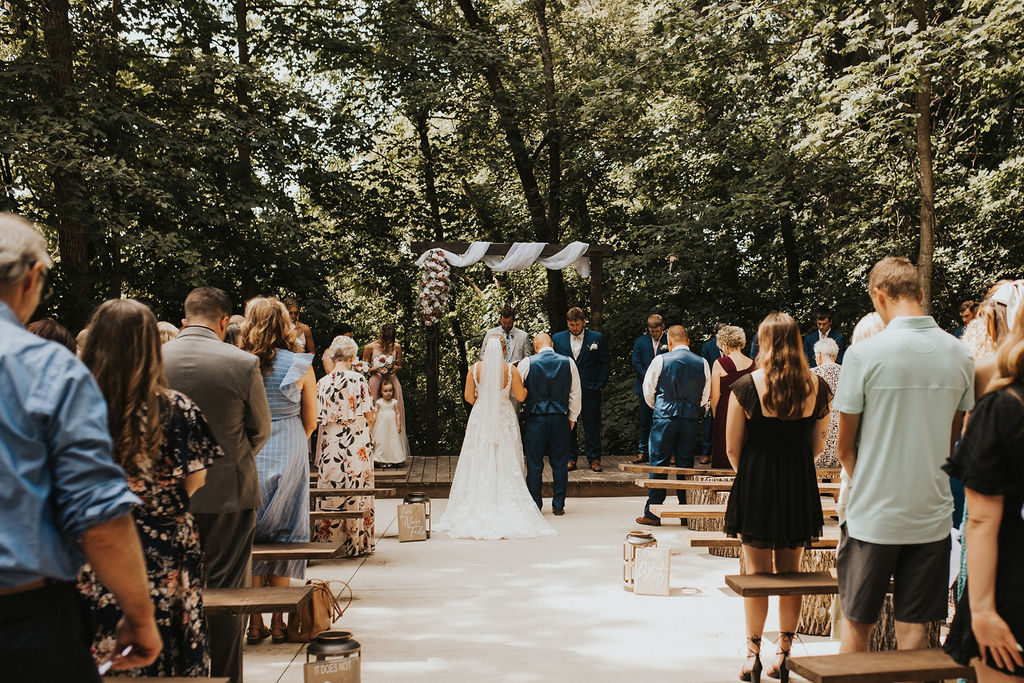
(823, 319)
(644, 350)
(589, 350)
(551, 408)
(676, 386)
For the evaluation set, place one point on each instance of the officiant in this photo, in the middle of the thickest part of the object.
(516, 340)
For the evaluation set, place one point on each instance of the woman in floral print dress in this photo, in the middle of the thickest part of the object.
(344, 450)
(165, 445)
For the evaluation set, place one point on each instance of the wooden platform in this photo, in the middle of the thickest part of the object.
(707, 511)
(801, 583)
(880, 667)
(296, 551)
(255, 600)
(714, 539)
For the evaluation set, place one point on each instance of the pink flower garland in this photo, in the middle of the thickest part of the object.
(434, 287)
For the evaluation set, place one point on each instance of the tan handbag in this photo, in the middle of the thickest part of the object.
(319, 613)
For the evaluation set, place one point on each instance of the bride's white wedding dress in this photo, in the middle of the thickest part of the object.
(489, 498)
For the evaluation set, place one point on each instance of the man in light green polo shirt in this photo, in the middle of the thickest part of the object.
(901, 398)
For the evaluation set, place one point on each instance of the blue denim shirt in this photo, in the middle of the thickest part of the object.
(57, 478)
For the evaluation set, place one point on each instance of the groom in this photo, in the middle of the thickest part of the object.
(551, 408)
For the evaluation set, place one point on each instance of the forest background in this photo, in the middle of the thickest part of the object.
(740, 157)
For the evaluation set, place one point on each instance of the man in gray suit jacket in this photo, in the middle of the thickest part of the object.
(517, 342)
(225, 382)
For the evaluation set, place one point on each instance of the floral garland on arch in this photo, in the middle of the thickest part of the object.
(435, 287)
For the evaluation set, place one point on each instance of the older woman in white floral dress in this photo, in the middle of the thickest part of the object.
(344, 453)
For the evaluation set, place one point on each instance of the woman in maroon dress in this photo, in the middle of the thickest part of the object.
(729, 368)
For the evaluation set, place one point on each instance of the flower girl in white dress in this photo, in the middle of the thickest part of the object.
(392, 445)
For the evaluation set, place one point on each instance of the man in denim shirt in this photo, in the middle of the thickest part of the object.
(62, 499)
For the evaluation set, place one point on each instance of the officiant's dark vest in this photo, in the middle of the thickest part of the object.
(680, 386)
(548, 385)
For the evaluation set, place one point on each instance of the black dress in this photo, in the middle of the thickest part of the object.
(990, 461)
(774, 501)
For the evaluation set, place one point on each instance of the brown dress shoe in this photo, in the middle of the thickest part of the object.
(639, 459)
(596, 466)
(571, 465)
(648, 521)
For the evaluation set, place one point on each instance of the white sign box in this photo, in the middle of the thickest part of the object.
(412, 522)
(651, 571)
(332, 671)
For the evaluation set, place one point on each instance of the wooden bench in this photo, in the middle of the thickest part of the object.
(824, 488)
(337, 514)
(350, 493)
(296, 551)
(255, 600)
(154, 679)
(707, 511)
(797, 583)
(713, 539)
(880, 667)
(822, 473)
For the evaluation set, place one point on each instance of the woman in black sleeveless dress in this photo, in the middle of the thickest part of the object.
(777, 422)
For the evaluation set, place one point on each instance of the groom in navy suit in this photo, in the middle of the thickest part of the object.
(551, 408)
(589, 350)
(644, 350)
(676, 386)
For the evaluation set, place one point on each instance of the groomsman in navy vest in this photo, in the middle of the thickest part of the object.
(551, 408)
(676, 386)
(644, 350)
(589, 350)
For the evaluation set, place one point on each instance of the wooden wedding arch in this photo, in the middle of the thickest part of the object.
(595, 252)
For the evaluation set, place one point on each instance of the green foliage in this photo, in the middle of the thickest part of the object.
(740, 156)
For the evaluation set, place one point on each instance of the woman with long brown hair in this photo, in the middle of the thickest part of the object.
(283, 463)
(989, 622)
(776, 425)
(164, 444)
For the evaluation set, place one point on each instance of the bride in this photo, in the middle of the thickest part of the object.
(488, 498)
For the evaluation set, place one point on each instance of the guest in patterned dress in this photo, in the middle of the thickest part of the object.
(344, 451)
(283, 464)
(825, 353)
(165, 445)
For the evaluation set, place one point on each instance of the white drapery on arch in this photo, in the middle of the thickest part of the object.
(520, 255)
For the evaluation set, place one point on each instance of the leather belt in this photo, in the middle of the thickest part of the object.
(35, 585)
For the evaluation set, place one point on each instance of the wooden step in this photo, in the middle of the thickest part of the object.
(296, 551)
(825, 488)
(797, 583)
(350, 493)
(880, 667)
(255, 600)
(716, 539)
(708, 511)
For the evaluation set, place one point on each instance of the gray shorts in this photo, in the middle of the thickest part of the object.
(920, 574)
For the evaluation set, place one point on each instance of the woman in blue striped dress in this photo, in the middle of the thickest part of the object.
(283, 464)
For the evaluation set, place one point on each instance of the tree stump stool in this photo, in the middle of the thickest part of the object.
(705, 497)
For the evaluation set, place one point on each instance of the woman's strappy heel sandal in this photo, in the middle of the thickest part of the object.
(753, 674)
(781, 671)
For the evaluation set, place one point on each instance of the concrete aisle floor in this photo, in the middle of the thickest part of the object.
(550, 608)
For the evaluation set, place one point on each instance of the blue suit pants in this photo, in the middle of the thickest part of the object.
(645, 414)
(547, 435)
(707, 435)
(672, 442)
(590, 418)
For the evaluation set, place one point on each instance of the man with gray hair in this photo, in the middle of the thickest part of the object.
(63, 499)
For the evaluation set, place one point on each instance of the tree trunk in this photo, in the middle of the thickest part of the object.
(116, 150)
(792, 253)
(556, 298)
(523, 161)
(924, 156)
(243, 169)
(71, 201)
